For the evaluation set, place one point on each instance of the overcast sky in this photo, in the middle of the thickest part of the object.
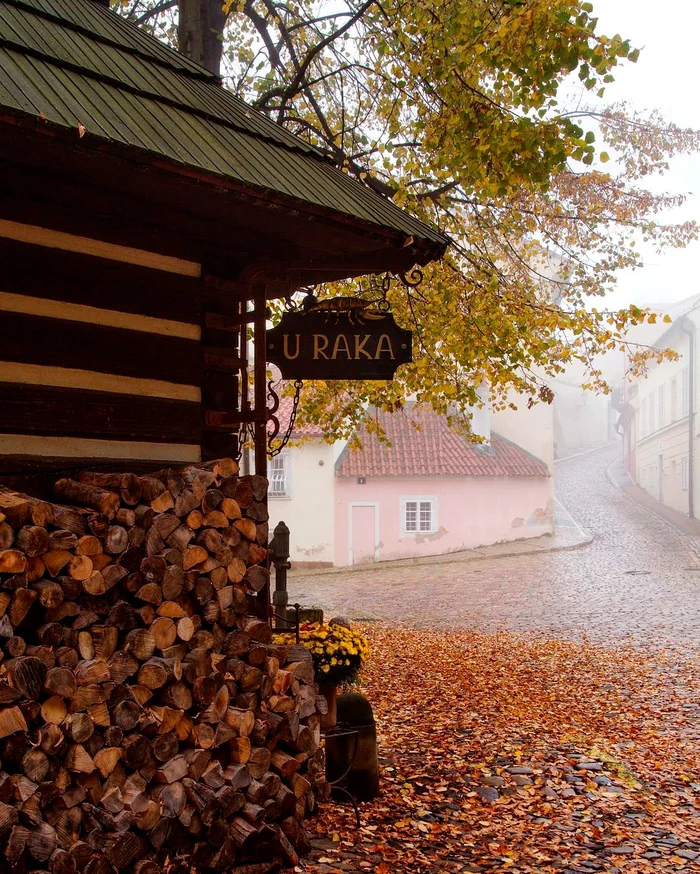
(664, 77)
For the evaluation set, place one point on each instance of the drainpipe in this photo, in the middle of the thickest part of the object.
(689, 329)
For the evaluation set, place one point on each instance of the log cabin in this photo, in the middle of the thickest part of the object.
(146, 217)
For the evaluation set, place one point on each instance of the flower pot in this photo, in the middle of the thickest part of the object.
(330, 693)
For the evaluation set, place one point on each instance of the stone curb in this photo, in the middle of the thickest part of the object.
(465, 557)
(628, 497)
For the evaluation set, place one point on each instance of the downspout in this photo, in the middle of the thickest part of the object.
(689, 329)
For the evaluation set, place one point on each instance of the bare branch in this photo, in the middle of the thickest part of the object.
(156, 10)
(297, 82)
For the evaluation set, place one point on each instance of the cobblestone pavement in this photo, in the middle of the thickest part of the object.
(639, 579)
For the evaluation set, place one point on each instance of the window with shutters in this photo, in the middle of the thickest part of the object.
(418, 515)
(674, 399)
(278, 474)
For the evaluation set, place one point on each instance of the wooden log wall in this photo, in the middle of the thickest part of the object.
(145, 714)
(103, 355)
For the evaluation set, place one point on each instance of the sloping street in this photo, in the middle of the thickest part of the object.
(639, 579)
(535, 713)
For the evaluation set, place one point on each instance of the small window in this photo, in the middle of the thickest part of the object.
(652, 415)
(685, 394)
(674, 399)
(662, 406)
(684, 473)
(644, 424)
(278, 474)
(418, 515)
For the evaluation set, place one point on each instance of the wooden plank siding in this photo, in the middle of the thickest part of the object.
(98, 282)
(62, 343)
(101, 352)
(54, 239)
(69, 411)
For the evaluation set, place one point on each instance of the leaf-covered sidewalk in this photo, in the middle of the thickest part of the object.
(508, 753)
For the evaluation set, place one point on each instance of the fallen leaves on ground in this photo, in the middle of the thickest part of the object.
(513, 753)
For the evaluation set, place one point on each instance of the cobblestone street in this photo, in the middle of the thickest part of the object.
(639, 579)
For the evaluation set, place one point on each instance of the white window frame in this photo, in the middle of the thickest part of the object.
(643, 419)
(685, 393)
(285, 459)
(674, 400)
(684, 473)
(418, 500)
(652, 414)
(662, 406)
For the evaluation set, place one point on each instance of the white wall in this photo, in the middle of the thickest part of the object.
(532, 429)
(309, 509)
(582, 419)
(661, 428)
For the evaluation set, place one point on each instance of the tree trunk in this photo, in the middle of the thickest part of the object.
(200, 32)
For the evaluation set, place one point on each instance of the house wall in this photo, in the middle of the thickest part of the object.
(308, 509)
(104, 356)
(659, 449)
(471, 511)
(532, 429)
(660, 465)
(582, 420)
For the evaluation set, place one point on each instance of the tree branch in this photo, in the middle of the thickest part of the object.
(295, 86)
(163, 6)
(260, 25)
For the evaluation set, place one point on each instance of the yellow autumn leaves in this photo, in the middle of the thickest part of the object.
(338, 652)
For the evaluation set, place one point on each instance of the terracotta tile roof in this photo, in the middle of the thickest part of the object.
(434, 450)
(283, 414)
(285, 408)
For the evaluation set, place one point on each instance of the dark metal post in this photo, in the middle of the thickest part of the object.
(279, 548)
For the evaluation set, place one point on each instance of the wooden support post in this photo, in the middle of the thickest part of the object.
(259, 371)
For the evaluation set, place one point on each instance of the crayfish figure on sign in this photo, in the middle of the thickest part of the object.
(355, 309)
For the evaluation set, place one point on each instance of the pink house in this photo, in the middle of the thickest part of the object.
(432, 492)
(429, 492)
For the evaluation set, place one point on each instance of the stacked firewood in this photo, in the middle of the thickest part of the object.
(147, 720)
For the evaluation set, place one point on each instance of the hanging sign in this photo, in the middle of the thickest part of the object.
(338, 338)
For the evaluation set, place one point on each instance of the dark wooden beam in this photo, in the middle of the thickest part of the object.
(45, 410)
(62, 343)
(98, 282)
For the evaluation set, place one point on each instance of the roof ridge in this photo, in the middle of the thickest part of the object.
(200, 73)
(438, 450)
(309, 149)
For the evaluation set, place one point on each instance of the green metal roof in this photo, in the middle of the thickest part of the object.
(74, 62)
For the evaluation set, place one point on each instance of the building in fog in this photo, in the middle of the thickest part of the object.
(430, 492)
(585, 419)
(660, 428)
